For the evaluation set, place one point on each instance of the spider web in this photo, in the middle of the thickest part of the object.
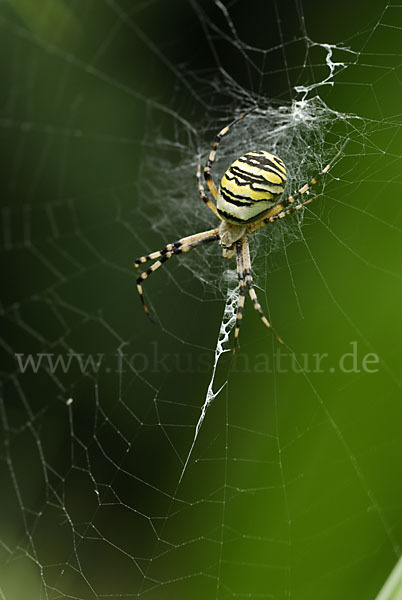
(146, 461)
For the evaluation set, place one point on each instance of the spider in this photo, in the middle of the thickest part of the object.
(248, 198)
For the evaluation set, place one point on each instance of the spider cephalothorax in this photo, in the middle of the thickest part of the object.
(249, 197)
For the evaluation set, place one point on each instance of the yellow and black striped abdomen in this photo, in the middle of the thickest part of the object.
(250, 187)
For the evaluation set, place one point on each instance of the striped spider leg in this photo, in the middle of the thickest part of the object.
(211, 159)
(180, 246)
(245, 277)
(281, 211)
(242, 291)
(203, 195)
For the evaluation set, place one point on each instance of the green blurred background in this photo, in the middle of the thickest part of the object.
(293, 489)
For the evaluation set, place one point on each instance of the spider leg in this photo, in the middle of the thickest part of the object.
(212, 154)
(279, 212)
(245, 253)
(170, 247)
(182, 245)
(203, 195)
(305, 188)
(242, 293)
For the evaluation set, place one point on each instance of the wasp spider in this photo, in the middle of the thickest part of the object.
(248, 198)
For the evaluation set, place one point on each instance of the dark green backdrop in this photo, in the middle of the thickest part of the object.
(293, 489)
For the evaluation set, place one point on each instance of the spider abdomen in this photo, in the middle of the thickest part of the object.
(251, 186)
